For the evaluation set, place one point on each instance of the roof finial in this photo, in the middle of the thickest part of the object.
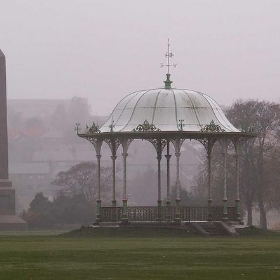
(168, 55)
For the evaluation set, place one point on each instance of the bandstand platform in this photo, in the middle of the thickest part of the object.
(194, 220)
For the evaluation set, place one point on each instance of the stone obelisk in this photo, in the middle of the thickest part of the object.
(8, 219)
(3, 121)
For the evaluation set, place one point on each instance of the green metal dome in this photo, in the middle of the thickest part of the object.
(168, 109)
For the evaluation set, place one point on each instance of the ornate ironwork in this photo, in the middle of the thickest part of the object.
(111, 126)
(110, 214)
(93, 129)
(217, 213)
(198, 214)
(150, 213)
(159, 144)
(126, 143)
(177, 143)
(114, 144)
(212, 127)
(146, 126)
(232, 213)
(142, 213)
(208, 143)
(97, 143)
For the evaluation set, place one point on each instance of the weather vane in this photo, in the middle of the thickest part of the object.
(168, 56)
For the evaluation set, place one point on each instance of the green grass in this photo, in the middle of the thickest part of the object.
(114, 254)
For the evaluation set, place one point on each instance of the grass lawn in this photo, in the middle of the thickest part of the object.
(118, 255)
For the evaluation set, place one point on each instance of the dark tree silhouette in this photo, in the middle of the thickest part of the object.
(82, 179)
(264, 117)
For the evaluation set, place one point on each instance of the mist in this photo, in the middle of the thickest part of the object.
(103, 50)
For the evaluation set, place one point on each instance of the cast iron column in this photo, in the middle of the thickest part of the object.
(237, 200)
(124, 212)
(125, 144)
(225, 200)
(98, 201)
(209, 158)
(178, 212)
(168, 156)
(177, 145)
(114, 157)
(159, 156)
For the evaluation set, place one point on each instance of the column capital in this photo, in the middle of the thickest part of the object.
(98, 156)
(177, 154)
(168, 157)
(124, 155)
(113, 157)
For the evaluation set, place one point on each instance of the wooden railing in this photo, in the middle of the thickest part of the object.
(167, 213)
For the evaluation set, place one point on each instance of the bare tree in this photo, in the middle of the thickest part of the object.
(263, 118)
(259, 161)
(82, 179)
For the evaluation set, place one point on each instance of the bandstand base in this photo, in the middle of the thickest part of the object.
(199, 228)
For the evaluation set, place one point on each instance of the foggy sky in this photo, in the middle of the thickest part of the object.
(103, 50)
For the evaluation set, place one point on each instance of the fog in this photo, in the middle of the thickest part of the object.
(103, 50)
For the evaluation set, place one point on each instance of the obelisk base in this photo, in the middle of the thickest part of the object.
(8, 218)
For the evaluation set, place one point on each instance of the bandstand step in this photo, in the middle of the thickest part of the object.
(214, 229)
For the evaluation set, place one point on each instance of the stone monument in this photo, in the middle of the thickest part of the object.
(8, 218)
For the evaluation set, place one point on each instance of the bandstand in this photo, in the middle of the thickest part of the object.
(166, 116)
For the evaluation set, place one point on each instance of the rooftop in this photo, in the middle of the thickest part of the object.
(167, 109)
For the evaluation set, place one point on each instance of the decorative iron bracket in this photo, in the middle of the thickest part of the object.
(208, 144)
(96, 142)
(114, 144)
(159, 144)
(212, 127)
(125, 144)
(93, 129)
(146, 126)
(177, 143)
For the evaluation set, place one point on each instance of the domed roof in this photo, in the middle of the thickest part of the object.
(168, 109)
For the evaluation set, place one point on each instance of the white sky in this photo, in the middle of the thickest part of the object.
(103, 50)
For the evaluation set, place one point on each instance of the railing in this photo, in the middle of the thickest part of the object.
(142, 213)
(232, 213)
(167, 213)
(111, 214)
